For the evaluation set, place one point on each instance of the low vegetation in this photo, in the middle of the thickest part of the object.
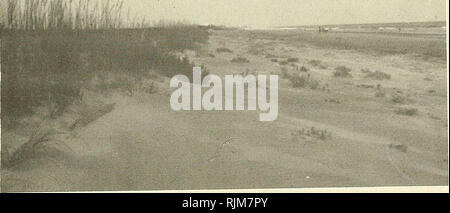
(342, 72)
(270, 56)
(406, 111)
(292, 60)
(223, 50)
(43, 68)
(299, 80)
(303, 69)
(32, 149)
(314, 133)
(240, 59)
(332, 100)
(256, 49)
(377, 75)
(303, 81)
(423, 47)
(399, 147)
(380, 94)
(283, 62)
(317, 63)
(56, 54)
(398, 98)
(54, 51)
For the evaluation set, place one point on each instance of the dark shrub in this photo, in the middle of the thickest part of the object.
(223, 50)
(303, 69)
(292, 60)
(406, 111)
(377, 75)
(240, 59)
(342, 72)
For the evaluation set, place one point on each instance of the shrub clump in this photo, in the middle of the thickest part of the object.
(317, 63)
(342, 72)
(380, 94)
(406, 111)
(292, 60)
(378, 75)
(240, 59)
(303, 81)
(223, 50)
(303, 69)
(270, 55)
(314, 133)
(398, 99)
(284, 73)
(52, 68)
(283, 62)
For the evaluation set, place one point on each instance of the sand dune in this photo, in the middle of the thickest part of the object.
(143, 145)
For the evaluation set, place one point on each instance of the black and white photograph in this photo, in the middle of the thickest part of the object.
(153, 95)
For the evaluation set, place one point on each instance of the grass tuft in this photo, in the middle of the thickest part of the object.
(406, 111)
(240, 59)
(342, 72)
(224, 50)
(377, 75)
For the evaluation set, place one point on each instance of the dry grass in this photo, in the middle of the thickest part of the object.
(303, 69)
(283, 63)
(342, 72)
(292, 60)
(397, 98)
(378, 44)
(54, 50)
(299, 80)
(240, 59)
(270, 56)
(377, 75)
(399, 147)
(37, 146)
(88, 116)
(303, 81)
(314, 134)
(67, 15)
(380, 94)
(223, 50)
(406, 111)
(43, 143)
(43, 68)
(317, 63)
(257, 49)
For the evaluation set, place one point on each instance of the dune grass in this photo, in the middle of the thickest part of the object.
(52, 49)
(67, 14)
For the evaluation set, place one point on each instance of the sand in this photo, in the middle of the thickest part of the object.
(143, 145)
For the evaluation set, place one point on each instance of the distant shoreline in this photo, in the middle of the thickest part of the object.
(392, 24)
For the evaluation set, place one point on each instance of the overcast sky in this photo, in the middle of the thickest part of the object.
(263, 13)
(290, 12)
